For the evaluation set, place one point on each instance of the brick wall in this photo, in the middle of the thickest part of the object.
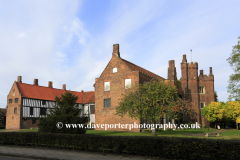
(208, 83)
(13, 120)
(29, 123)
(117, 88)
(190, 82)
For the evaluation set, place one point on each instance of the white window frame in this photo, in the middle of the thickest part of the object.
(107, 86)
(114, 70)
(127, 83)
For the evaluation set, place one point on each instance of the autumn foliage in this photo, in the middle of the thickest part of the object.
(222, 112)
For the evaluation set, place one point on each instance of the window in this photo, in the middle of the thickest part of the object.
(13, 92)
(106, 86)
(15, 110)
(16, 100)
(202, 90)
(202, 104)
(33, 121)
(114, 70)
(92, 109)
(10, 100)
(107, 103)
(43, 102)
(43, 111)
(31, 110)
(127, 83)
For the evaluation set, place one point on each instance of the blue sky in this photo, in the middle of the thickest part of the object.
(70, 42)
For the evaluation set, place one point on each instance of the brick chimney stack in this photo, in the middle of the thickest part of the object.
(210, 70)
(35, 82)
(50, 84)
(64, 87)
(82, 91)
(172, 74)
(19, 79)
(184, 59)
(201, 72)
(116, 50)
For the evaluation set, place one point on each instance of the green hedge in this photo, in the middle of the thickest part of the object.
(165, 147)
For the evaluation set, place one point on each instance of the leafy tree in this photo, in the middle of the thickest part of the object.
(185, 110)
(64, 111)
(151, 101)
(222, 112)
(215, 96)
(234, 61)
(232, 110)
(214, 112)
(179, 83)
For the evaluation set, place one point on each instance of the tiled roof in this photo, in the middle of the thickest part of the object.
(137, 68)
(44, 93)
(89, 97)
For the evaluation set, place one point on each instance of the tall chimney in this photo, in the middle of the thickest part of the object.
(210, 70)
(50, 84)
(201, 72)
(35, 82)
(19, 79)
(116, 50)
(64, 87)
(184, 59)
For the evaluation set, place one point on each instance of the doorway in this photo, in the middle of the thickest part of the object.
(25, 124)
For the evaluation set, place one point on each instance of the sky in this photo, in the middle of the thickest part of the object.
(71, 42)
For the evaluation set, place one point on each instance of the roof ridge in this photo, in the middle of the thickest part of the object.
(53, 88)
(142, 68)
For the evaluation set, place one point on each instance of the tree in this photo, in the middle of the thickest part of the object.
(234, 61)
(215, 96)
(214, 112)
(185, 110)
(222, 112)
(179, 83)
(151, 101)
(232, 111)
(64, 111)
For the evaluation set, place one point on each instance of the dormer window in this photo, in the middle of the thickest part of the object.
(201, 90)
(106, 86)
(114, 70)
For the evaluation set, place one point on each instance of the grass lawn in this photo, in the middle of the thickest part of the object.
(231, 134)
(28, 130)
(176, 133)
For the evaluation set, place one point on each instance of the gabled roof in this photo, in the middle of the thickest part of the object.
(44, 93)
(137, 68)
(89, 97)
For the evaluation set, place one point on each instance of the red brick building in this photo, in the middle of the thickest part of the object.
(198, 89)
(26, 103)
(120, 73)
